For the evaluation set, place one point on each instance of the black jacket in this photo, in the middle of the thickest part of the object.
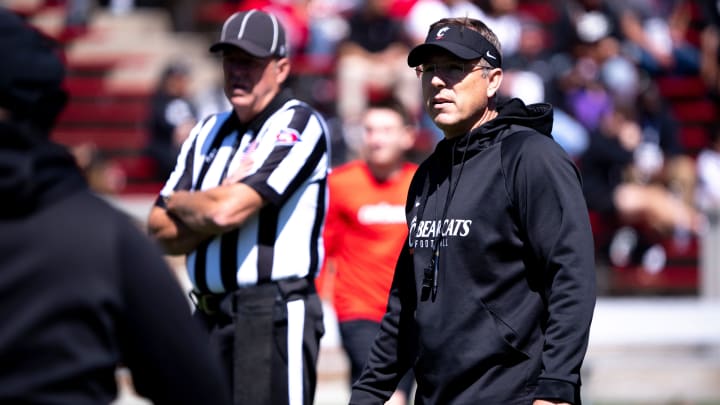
(510, 319)
(82, 290)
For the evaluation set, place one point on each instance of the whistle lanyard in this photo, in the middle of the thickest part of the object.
(430, 273)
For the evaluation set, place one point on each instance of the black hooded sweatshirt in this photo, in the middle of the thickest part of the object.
(83, 290)
(515, 285)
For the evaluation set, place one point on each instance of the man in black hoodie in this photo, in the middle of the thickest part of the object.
(81, 288)
(494, 291)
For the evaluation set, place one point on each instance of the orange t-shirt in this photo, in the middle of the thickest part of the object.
(364, 232)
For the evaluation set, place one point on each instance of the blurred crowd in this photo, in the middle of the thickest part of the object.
(600, 63)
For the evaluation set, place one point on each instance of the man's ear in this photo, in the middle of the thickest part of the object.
(410, 134)
(495, 77)
(282, 67)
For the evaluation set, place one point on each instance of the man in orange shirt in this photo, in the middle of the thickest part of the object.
(365, 229)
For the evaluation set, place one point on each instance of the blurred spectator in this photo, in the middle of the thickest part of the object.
(528, 71)
(708, 171)
(710, 47)
(530, 74)
(583, 95)
(585, 21)
(621, 78)
(367, 209)
(655, 36)
(502, 17)
(570, 134)
(425, 12)
(102, 175)
(372, 59)
(120, 7)
(327, 23)
(182, 14)
(172, 116)
(212, 99)
(661, 133)
(624, 177)
(567, 131)
(523, 84)
(532, 56)
(652, 33)
(77, 17)
(594, 71)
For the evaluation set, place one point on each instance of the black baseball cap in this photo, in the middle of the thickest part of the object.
(465, 43)
(254, 31)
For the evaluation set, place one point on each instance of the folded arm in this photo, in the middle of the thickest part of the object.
(216, 210)
(191, 217)
(174, 236)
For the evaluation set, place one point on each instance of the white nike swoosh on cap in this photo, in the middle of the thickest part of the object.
(489, 55)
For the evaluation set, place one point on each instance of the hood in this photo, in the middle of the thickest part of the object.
(31, 73)
(33, 171)
(536, 116)
(511, 112)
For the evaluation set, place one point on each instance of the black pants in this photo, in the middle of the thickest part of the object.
(268, 339)
(357, 339)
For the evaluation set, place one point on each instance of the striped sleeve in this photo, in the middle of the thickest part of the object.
(299, 154)
(181, 177)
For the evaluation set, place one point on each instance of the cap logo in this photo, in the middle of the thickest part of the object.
(461, 41)
(441, 33)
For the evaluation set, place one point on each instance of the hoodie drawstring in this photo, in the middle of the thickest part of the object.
(430, 274)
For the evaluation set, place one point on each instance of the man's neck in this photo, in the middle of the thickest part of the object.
(487, 115)
(383, 173)
(253, 119)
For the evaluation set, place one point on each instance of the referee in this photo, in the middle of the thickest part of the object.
(246, 203)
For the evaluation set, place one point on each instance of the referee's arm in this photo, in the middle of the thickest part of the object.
(215, 210)
(172, 234)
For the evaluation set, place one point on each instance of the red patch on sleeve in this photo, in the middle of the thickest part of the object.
(287, 136)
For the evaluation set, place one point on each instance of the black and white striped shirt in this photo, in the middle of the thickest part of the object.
(289, 147)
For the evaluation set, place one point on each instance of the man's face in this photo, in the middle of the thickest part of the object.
(386, 138)
(456, 92)
(251, 82)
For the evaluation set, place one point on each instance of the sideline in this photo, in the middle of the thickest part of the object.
(656, 321)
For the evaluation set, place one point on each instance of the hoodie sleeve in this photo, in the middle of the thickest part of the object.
(546, 187)
(393, 351)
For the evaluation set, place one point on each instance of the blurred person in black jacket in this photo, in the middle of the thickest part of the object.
(172, 116)
(371, 60)
(710, 47)
(81, 289)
